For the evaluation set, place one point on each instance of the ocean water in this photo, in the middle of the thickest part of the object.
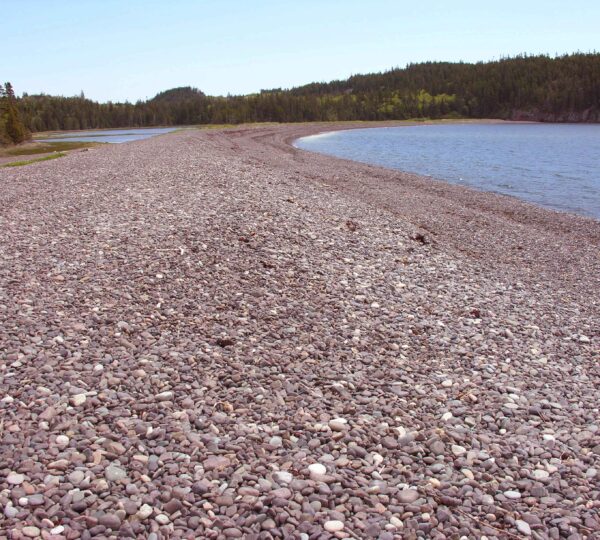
(552, 165)
(108, 135)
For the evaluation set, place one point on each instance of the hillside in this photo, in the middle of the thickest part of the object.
(564, 88)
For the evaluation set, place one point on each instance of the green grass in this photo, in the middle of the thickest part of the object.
(29, 149)
(29, 161)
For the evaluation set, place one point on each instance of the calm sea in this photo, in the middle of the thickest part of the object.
(108, 135)
(553, 165)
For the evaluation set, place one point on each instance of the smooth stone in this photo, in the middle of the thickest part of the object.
(78, 399)
(540, 474)
(277, 442)
(512, 494)
(114, 474)
(164, 396)
(15, 479)
(31, 531)
(458, 450)
(407, 496)
(10, 511)
(283, 477)
(437, 447)
(62, 440)
(145, 511)
(36, 499)
(317, 470)
(338, 424)
(268, 524)
(333, 525)
(523, 527)
(162, 519)
(76, 477)
(396, 522)
(111, 521)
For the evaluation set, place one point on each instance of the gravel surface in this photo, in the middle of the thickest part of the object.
(211, 334)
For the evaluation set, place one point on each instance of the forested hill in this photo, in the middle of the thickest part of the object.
(565, 88)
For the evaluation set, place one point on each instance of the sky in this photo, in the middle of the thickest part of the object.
(121, 50)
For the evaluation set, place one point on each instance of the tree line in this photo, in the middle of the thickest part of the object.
(562, 88)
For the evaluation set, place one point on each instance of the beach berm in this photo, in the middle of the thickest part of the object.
(212, 334)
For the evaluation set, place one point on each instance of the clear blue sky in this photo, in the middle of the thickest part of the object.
(132, 49)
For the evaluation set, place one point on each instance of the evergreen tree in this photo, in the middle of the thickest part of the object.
(12, 129)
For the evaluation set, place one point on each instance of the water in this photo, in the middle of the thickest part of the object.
(553, 165)
(107, 135)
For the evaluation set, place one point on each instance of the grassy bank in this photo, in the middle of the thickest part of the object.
(36, 160)
(32, 148)
(46, 151)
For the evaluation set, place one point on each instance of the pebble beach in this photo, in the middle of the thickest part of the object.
(213, 334)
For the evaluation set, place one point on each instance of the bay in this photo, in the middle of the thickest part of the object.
(552, 165)
(106, 135)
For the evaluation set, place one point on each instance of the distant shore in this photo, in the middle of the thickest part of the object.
(211, 333)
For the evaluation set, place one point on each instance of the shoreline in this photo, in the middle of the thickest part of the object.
(435, 178)
(484, 209)
(214, 334)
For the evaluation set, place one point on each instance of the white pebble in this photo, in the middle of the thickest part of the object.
(458, 450)
(540, 474)
(283, 477)
(523, 527)
(377, 459)
(334, 526)
(62, 440)
(469, 474)
(396, 522)
(78, 399)
(317, 471)
(338, 424)
(15, 479)
(162, 519)
(144, 512)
